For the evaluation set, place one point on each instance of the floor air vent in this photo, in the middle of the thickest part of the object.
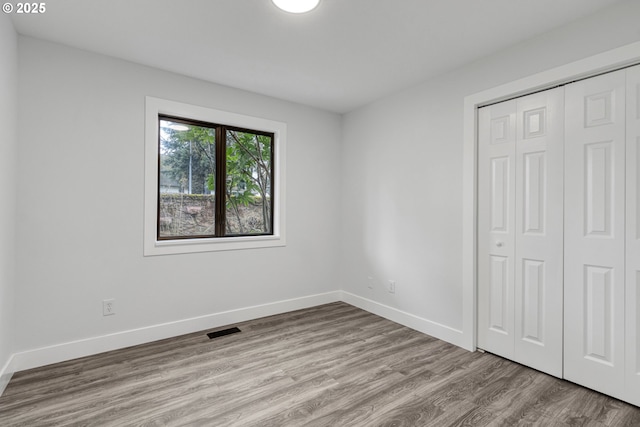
(222, 333)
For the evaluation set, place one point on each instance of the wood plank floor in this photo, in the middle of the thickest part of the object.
(331, 365)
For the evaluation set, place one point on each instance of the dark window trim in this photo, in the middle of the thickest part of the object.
(220, 185)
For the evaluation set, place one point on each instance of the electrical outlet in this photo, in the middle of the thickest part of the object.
(392, 286)
(108, 307)
(370, 282)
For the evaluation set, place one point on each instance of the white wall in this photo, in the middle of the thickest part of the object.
(385, 203)
(8, 183)
(80, 178)
(402, 169)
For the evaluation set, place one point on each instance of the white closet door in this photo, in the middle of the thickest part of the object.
(595, 233)
(539, 231)
(520, 230)
(633, 238)
(496, 242)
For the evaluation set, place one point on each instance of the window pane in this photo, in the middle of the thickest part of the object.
(187, 180)
(248, 183)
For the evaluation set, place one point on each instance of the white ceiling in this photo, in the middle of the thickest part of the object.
(342, 55)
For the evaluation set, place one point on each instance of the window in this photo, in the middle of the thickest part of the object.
(213, 180)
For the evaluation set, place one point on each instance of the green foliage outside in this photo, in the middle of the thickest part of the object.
(188, 158)
(249, 174)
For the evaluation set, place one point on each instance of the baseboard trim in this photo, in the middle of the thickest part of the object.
(429, 327)
(6, 373)
(86, 347)
(90, 346)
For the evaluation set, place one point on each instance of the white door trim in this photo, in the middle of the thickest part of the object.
(593, 65)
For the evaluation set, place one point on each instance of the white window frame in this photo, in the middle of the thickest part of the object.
(153, 246)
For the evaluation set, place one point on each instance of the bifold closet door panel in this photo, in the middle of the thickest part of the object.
(633, 238)
(520, 220)
(594, 264)
(539, 231)
(496, 243)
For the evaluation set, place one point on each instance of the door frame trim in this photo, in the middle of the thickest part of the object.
(611, 60)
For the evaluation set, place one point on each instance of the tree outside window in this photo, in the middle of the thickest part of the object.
(213, 180)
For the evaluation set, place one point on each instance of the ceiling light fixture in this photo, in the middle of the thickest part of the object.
(296, 6)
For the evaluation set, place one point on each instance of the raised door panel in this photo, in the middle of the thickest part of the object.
(632, 312)
(538, 287)
(496, 192)
(598, 314)
(499, 187)
(594, 285)
(499, 294)
(599, 209)
(534, 200)
(533, 302)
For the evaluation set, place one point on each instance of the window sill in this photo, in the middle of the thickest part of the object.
(171, 247)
